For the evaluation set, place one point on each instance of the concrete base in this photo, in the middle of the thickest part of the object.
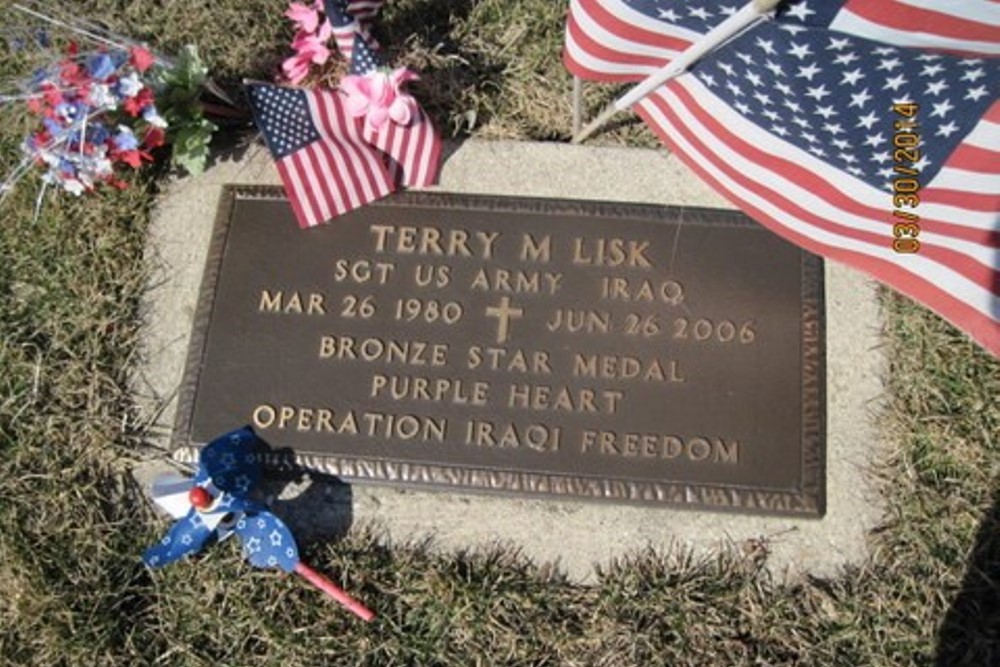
(573, 535)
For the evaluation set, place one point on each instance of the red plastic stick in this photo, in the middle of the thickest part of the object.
(334, 591)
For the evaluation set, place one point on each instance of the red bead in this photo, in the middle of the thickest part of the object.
(200, 497)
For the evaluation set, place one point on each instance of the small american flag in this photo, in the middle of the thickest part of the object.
(364, 10)
(794, 121)
(349, 18)
(326, 165)
(413, 150)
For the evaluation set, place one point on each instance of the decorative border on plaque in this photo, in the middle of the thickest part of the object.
(809, 500)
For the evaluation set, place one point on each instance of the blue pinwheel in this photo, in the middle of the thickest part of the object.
(221, 504)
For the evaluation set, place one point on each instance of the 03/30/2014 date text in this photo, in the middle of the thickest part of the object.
(906, 182)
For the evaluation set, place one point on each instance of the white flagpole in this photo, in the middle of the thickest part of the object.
(742, 19)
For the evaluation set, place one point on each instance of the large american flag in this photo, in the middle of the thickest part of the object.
(326, 165)
(793, 120)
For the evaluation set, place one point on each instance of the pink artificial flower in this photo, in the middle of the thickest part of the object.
(296, 68)
(305, 18)
(314, 46)
(309, 49)
(378, 97)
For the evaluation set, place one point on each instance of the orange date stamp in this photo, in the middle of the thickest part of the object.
(906, 182)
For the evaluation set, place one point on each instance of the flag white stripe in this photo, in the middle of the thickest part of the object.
(985, 135)
(967, 181)
(960, 217)
(849, 22)
(960, 288)
(981, 11)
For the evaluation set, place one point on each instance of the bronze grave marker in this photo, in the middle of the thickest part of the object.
(563, 348)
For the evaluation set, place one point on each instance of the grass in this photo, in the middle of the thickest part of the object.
(72, 525)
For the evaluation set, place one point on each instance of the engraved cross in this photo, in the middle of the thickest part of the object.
(503, 313)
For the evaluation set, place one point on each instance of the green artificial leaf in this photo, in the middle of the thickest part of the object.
(190, 149)
(188, 73)
(179, 103)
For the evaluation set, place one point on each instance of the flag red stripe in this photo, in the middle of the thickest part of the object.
(960, 199)
(399, 149)
(419, 153)
(881, 232)
(303, 161)
(993, 113)
(989, 238)
(972, 158)
(302, 189)
(597, 50)
(627, 30)
(392, 144)
(433, 161)
(384, 141)
(294, 199)
(430, 150)
(982, 328)
(900, 16)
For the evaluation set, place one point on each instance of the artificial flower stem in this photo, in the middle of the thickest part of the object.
(334, 591)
